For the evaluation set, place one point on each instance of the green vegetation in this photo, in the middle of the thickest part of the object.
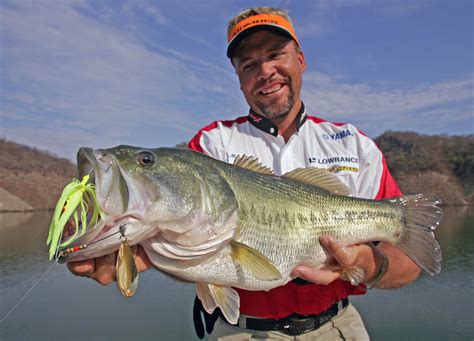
(411, 154)
(439, 164)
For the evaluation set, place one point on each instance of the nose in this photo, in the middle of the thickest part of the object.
(266, 70)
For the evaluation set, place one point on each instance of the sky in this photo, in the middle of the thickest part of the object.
(152, 73)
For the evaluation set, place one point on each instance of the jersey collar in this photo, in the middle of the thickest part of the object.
(267, 126)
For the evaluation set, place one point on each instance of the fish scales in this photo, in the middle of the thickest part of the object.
(297, 205)
(222, 225)
(280, 236)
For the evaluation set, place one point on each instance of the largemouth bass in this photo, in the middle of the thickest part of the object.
(238, 225)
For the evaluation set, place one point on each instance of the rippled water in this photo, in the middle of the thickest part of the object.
(63, 307)
(437, 307)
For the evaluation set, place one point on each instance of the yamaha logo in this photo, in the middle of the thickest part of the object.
(337, 136)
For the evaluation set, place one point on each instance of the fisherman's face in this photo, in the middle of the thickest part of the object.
(270, 68)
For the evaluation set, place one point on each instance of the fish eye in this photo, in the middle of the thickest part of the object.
(146, 158)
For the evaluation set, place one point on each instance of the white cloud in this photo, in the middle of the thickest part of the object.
(150, 9)
(393, 108)
(398, 8)
(324, 5)
(323, 16)
(73, 75)
(388, 7)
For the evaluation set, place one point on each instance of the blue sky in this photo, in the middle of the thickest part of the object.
(152, 73)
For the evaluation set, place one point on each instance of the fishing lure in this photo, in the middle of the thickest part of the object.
(74, 201)
(76, 194)
(75, 197)
(126, 269)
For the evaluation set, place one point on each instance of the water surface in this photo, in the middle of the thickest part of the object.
(63, 306)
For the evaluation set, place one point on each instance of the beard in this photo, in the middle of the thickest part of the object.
(277, 110)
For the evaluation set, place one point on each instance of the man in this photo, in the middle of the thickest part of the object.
(266, 55)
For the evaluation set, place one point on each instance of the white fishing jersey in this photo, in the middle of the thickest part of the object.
(339, 148)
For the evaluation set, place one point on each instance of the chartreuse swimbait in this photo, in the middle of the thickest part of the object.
(74, 201)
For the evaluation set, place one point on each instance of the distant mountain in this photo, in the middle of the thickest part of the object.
(31, 178)
(439, 164)
(443, 165)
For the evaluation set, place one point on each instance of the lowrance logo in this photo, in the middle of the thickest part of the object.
(335, 159)
(338, 136)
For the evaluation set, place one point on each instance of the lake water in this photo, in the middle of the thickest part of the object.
(63, 306)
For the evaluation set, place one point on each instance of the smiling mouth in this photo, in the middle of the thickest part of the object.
(271, 90)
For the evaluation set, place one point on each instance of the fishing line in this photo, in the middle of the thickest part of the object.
(64, 253)
(26, 294)
(57, 255)
(34, 285)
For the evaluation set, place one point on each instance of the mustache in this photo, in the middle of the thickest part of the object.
(272, 79)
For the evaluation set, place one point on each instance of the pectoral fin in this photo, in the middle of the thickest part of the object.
(254, 262)
(213, 296)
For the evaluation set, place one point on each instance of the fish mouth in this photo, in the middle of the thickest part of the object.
(111, 188)
(123, 197)
(112, 197)
(86, 162)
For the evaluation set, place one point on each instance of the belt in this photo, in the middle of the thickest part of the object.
(294, 324)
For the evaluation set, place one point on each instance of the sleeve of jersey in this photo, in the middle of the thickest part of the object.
(209, 141)
(379, 183)
(388, 187)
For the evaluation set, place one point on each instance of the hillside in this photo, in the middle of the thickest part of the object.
(31, 178)
(444, 165)
(439, 164)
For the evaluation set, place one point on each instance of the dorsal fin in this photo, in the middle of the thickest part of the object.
(320, 178)
(252, 163)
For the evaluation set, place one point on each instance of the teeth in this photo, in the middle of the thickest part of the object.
(272, 89)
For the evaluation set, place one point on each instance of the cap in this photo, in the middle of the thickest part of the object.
(257, 22)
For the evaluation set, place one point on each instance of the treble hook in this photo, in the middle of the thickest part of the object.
(122, 230)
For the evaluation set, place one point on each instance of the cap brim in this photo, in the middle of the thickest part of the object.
(235, 42)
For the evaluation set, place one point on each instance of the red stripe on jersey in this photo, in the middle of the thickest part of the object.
(292, 298)
(316, 119)
(388, 187)
(337, 124)
(195, 142)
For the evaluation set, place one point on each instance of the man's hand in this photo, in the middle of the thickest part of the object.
(102, 269)
(402, 270)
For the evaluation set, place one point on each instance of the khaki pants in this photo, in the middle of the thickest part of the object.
(347, 325)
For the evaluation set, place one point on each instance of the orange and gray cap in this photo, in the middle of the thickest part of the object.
(257, 22)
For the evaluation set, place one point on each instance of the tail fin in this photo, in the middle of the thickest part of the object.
(422, 217)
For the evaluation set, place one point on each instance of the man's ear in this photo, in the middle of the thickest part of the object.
(301, 60)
